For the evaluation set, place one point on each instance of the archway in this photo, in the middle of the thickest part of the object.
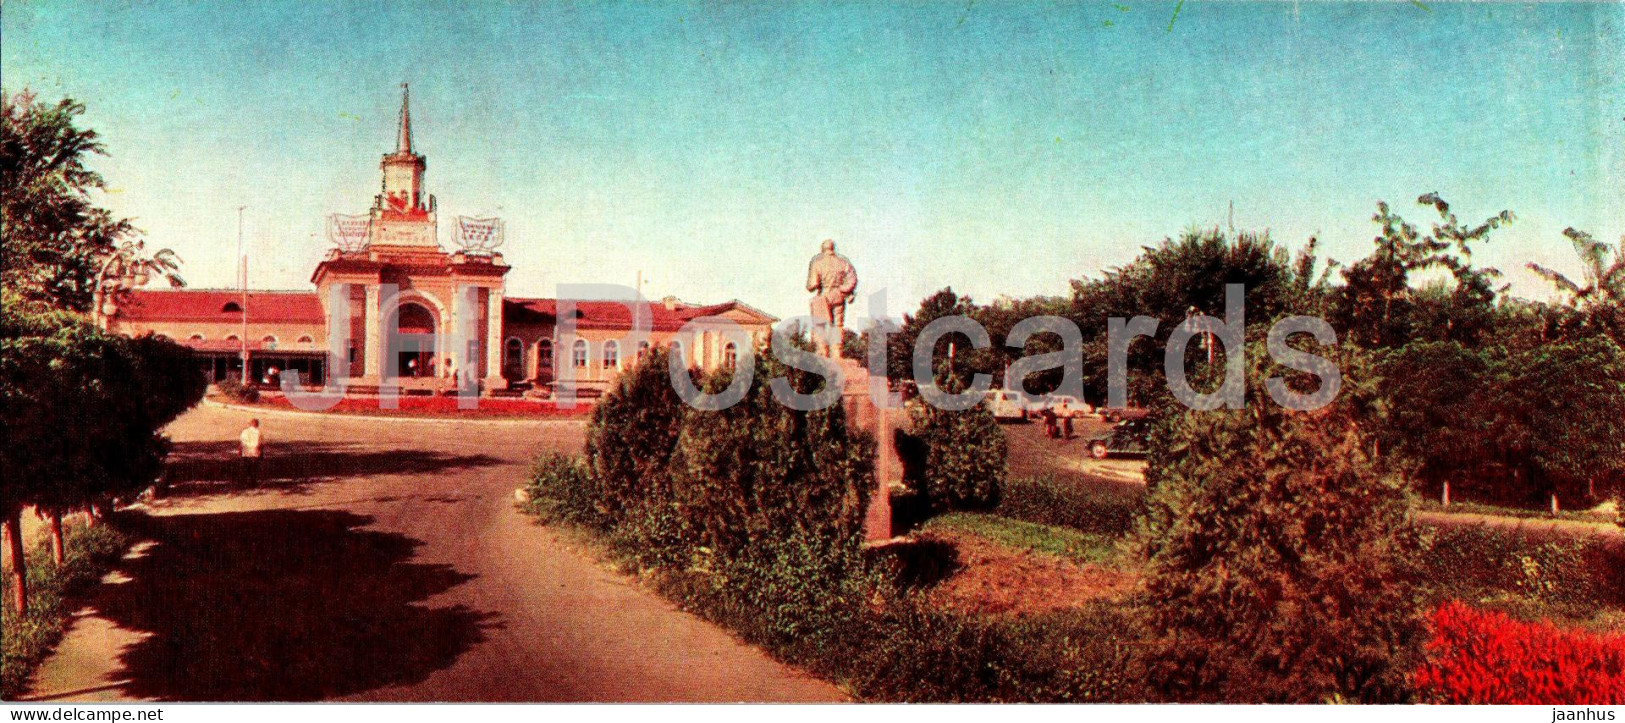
(411, 339)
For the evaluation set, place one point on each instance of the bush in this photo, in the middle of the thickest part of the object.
(760, 471)
(562, 489)
(235, 390)
(631, 439)
(964, 455)
(1569, 577)
(90, 552)
(1047, 501)
(1277, 559)
(1487, 657)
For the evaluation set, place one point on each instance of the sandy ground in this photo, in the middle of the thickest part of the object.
(383, 561)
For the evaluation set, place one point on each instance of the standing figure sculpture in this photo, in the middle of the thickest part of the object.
(832, 280)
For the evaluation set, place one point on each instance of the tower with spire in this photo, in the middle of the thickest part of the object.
(402, 214)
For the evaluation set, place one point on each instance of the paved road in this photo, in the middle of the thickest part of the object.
(384, 561)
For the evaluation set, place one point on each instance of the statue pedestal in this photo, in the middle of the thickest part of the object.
(863, 413)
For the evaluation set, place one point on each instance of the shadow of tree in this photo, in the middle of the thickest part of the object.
(282, 605)
(201, 468)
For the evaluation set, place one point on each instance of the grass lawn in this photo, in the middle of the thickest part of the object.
(52, 590)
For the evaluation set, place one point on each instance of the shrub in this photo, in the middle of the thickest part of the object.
(235, 390)
(760, 470)
(631, 439)
(1047, 501)
(1476, 562)
(1478, 657)
(1277, 563)
(562, 489)
(964, 455)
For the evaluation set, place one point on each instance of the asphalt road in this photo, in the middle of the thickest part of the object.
(383, 560)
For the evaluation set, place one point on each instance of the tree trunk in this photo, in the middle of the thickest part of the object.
(19, 566)
(58, 549)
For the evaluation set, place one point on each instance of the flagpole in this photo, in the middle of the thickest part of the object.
(242, 283)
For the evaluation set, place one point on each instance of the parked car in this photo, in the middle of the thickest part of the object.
(1130, 437)
(1119, 414)
(1067, 406)
(1011, 404)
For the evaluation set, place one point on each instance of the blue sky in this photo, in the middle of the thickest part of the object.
(1000, 147)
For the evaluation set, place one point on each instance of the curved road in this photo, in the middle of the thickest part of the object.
(383, 560)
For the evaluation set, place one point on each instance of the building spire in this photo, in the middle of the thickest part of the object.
(403, 141)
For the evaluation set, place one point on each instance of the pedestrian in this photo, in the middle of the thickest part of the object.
(412, 367)
(1065, 413)
(1050, 429)
(251, 447)
(273, 377)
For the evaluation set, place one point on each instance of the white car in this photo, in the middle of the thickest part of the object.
(1011, 404)
(1065, 405)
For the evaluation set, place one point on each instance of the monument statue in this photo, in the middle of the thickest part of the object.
(832, 280)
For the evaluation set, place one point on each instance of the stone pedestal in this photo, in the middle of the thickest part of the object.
(863, 413)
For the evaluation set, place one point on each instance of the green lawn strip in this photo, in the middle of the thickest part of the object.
(1076, 546)
(91, 552)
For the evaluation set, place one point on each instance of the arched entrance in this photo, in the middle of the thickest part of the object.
(412, 346)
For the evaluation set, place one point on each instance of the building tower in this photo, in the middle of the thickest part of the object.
(402, 215)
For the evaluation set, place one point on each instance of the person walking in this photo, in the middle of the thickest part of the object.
(250, 456)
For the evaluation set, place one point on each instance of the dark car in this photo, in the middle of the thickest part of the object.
(1130, 437)
(1119, 414)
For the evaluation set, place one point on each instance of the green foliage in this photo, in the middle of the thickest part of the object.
(28, 639)
(1596, 304)
(965, 454)
(1047, 501)
(632, 437)
(1506, 425)
(761, 470)
(562, 489)
(1569, 579)
(58, 372)
(1082, 547)
(1277, 556)
(238, 391)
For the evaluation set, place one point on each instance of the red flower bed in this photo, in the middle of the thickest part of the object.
(1488, 657)
(446, 406)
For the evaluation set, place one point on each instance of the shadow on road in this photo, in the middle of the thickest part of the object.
(282, 605)
(202, 468)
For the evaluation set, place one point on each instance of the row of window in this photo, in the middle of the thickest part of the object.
(610, 353)
(233, 337)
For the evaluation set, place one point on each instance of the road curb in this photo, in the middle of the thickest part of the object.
(382, 418)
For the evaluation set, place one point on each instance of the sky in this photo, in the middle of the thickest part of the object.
(1002, 148)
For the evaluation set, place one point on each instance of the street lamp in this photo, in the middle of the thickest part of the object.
(122, 271)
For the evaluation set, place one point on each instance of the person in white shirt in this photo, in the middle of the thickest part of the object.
(251, 452)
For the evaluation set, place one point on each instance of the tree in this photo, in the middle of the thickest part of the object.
(1597, 304)
(1277, 554)
(58, 372)
(965, 453)
(1378, 306)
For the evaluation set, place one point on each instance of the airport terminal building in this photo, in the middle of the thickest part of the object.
(387, 272)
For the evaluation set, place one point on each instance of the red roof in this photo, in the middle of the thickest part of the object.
(294, 307)
(598, 314)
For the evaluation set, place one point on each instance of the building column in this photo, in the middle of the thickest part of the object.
(493, 340)
(374, 368)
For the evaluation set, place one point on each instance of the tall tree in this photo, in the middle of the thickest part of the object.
(1597, 301)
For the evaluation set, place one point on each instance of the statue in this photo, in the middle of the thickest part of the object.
(832, 280)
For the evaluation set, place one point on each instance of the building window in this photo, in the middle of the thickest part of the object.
(675, 348)
(231, 307)
(196, 338)
(730, 356)
(512, 354)
(578, 354)
(161, 337)
(306, 340)
(233, 337)
(612, 355)
(643, 350)
(545, 351)
(268, 339)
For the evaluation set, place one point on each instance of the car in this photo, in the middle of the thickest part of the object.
(1011, 404)
(1120, 414)
(1065, 405)
(1130, 437)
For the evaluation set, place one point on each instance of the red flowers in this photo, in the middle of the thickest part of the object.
(1488, 657)
(447, 406)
